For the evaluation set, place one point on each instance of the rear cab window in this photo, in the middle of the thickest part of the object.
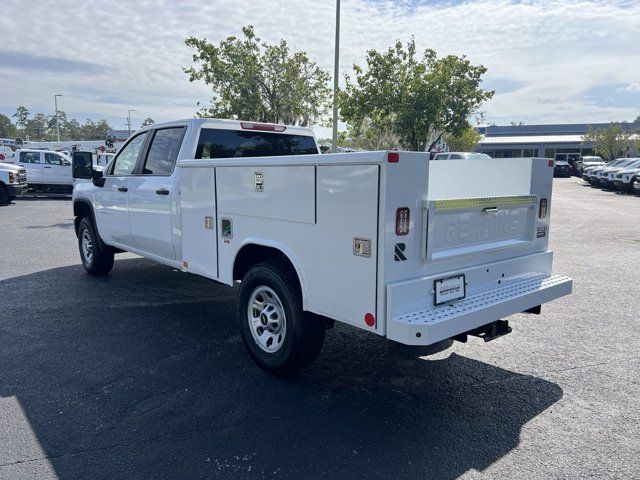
(163, 151)
(30, 157)
(215, 143)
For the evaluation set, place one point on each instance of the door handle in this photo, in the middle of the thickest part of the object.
(162, 191)
(123, 189)
(47, 167)
(490, 210)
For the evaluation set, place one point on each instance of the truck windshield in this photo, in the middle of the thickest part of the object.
(215, 143)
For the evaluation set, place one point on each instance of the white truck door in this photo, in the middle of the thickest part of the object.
(32, 163)
(151, 194)
(57, 170)
(112, 200)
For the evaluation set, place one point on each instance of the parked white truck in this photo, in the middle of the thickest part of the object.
(389, 242)
(13, 182)
(47, 171)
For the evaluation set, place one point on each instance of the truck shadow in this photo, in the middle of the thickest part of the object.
(141, 374)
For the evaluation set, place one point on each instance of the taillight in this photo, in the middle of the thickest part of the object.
(393, 157)
(543, 208)
(552, 163)
(263, 127)
(402, 221)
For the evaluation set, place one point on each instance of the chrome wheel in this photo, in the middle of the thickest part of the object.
(267, 320)
(87, 246)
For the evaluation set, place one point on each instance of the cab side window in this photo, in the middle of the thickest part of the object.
(30, 157)
(163, 152)
(126, 159)
(53, 159)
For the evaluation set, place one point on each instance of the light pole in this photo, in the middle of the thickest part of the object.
(336, 68)
(129, 121)
(55, 101)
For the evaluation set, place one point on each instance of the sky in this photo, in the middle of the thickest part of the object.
(548, 61)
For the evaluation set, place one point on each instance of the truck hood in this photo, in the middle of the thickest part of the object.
(9, 167)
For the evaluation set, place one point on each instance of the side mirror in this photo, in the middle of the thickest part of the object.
(82, 164)
(97, 177)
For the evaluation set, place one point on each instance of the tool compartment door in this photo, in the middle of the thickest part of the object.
(343, 284)
(198, 221)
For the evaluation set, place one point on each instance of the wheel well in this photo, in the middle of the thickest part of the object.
(81, 210)
(252, 254)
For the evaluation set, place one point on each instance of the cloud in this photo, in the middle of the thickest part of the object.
(633, 87)
(27, 62)
(543, 57)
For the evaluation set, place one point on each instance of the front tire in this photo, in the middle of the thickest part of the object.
(4, 195)
(95, 260)
(280, 337)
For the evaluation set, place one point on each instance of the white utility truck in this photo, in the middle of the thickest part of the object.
(13, 182)
(389, 242)
(47, 171)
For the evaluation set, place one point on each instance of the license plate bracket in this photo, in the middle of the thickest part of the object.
(449, 289)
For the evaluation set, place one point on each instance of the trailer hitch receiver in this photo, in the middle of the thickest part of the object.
(491, 331)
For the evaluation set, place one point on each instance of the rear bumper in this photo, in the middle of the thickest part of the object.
(485, 302)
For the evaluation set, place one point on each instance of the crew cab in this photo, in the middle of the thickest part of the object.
(388, 242)
(47, 171)
(13, 182)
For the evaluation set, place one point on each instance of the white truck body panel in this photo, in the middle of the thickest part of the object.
(480, 219)
(44, 167)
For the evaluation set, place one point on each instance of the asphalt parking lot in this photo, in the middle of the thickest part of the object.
(141, 374)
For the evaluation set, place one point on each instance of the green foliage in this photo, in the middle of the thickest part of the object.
(7, 129)
(21, 116)
(254, 80)
(610, 142)
(465, 142)
(37, 126)
(148, 121)
(418, 99)
(43, 127)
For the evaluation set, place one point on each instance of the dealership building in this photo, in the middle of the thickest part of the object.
(560, 141)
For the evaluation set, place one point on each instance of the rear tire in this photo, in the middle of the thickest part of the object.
(95, 260)
(4, 195)
(280, 337)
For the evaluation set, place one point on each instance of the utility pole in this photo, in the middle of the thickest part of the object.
(129, 121)
(336, 69)
(55, 101)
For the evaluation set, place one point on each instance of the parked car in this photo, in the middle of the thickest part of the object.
(461, 156)
(384, 241)
(583, 162)
(586, 172)
(13, 182)
(623, 179)
(596, 173)
(47, 171)
(607, 175)
(561, 168)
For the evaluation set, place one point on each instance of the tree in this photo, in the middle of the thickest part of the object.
(21, 116)
(52, 124)
(254, 80)
(148, 121)
(420, 99)
(36, 127)
(7, 129)
(465, 142)
(370, 135)
(610, 142)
